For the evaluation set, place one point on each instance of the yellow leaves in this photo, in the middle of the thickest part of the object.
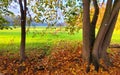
(22, 64)
(36, 19)
(73, 71)
(39, 14)
(27, 70)
(4, 62)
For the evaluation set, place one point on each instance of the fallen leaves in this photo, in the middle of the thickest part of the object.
(59, 62)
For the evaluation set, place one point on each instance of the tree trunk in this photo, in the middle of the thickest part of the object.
(23, 29)
(111, 23)
(95, 48)
(86, 30)
(92, 31)
(105, 33)
(100, 36)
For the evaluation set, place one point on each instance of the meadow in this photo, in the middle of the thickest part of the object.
(36, 38)
(41, 38)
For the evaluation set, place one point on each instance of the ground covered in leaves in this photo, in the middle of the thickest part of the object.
(64, 60)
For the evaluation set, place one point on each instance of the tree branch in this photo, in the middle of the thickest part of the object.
(21, 5)
(95, 17)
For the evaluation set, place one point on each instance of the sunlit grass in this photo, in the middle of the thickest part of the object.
(116, 37)
(35, 38)
(39, 38)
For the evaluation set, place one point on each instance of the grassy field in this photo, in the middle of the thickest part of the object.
(39, 37)
(35, 38)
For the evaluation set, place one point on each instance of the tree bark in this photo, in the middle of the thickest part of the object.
(100, 36)
(105, 34)
(86, 30)
(92, 31)
(107, 39)
(86, 33)
(23, 29)
(106, 43)
(96, 48)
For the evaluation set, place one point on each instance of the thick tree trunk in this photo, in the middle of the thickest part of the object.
(104, 24)
(95, 48)
(111, 23)
(106, 43)
(105, 34)
(23, 29)
(86, 52)
(86, 30)
(92, 32)
(100, 36)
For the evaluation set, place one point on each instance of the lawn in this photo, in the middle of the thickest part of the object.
(39, 37)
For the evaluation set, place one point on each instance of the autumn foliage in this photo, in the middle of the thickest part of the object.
(100, 17)
(64, 59)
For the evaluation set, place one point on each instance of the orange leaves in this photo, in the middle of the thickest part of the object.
(62, 61)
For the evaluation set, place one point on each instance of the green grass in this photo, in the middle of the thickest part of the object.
(40, 38)
(36, 38)
(116, 37)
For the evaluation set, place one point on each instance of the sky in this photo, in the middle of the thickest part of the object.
(14, 7)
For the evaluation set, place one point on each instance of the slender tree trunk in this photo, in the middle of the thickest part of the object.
(23, 29)
(94, 21)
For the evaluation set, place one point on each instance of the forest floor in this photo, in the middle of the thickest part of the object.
(63, 60)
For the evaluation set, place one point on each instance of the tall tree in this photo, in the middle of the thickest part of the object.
(95, 48)
(23, 9)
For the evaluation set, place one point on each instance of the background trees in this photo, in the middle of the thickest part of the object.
(3, 12)
(95, 48)
(58, 13)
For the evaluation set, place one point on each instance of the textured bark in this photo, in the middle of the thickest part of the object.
(106, 43)
(104, 24)
(92, 32)
(86, 30)
(100, 36)
(94, 21)
(96, 48)
(86, 53)
(23, 29)
(107, 39)
(105, 33)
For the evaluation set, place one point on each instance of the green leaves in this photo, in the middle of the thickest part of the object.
(4, 11)
(3, 23)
